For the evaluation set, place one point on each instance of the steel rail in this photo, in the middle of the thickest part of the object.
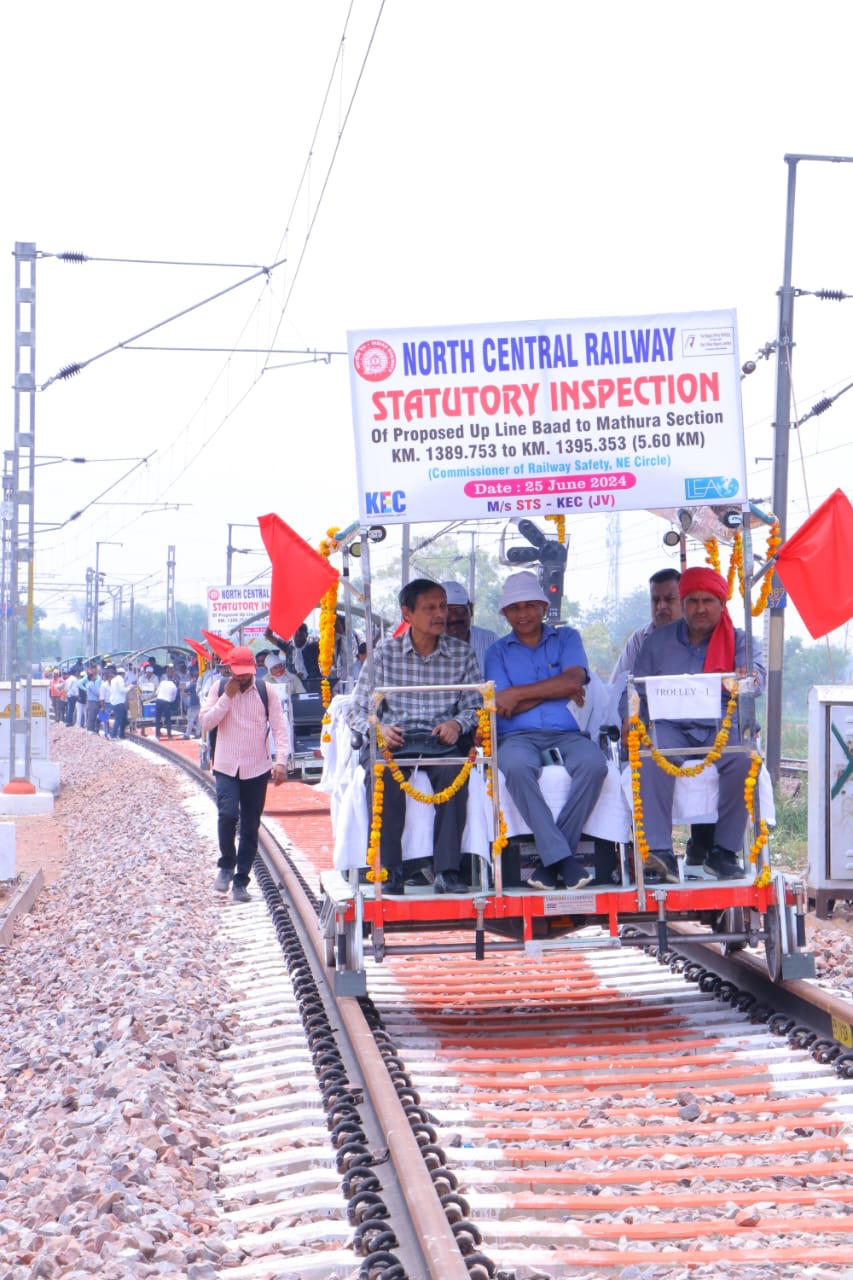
(424, 1231)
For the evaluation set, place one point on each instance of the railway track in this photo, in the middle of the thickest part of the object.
(584, 1114)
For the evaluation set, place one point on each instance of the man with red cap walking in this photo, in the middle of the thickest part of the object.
(242, 764)
(703, 639)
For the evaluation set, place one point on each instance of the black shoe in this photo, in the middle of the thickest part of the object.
(395, 885)
(575, 874)
(542, 878)
(449, 882)
(240, 894)
(723, 864)
(695, 853)
(222, 883)
(420, 877)
(663, 862)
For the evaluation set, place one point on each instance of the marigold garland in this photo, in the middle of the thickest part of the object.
(774, 542)
(560, 522)
(736, 569)
(437, 797)
(712, 554)
(328, 617)
(638, 736)
(689, 770)
(376, 826)
(763, 831)
(484, 724)
(641, 843)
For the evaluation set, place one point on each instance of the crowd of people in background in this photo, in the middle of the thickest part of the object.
(105, 696)
(99, 696)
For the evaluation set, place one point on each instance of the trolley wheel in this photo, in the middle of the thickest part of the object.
(330, 947)
(732, 920)
(773, 943)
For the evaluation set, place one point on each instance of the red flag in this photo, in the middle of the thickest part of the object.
(196, 647)
(815, 566)
(300, 575)
(220, 646)
(200, 652)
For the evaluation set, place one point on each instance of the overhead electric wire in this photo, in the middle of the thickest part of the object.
(306, 168)
(249, 351)
(341, 129)
(69, 371)
(306, 356)
(151, 262)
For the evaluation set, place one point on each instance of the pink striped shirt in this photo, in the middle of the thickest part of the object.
(242, 741)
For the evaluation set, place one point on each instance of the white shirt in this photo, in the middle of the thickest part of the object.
(167, 690)
(118, 691)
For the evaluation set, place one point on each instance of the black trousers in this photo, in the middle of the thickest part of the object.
(239, 801)
(163, 712)
(449, 818)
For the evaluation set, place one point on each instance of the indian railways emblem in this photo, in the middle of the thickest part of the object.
(374, 360)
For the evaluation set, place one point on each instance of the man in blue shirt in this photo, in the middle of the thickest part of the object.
(537, 670)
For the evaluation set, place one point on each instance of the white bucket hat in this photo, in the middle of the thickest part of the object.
(520, 587)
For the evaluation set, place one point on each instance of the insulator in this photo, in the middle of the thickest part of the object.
(70, 256)
(821, 406)
(69, 371)
(831, 295)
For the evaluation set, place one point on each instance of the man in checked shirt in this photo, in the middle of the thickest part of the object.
(425, 722)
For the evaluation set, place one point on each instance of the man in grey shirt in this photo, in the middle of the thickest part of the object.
(702, 640)
(460, 612)
(665, 607)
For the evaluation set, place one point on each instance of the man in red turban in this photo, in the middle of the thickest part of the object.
(706, 619)
(703, 639)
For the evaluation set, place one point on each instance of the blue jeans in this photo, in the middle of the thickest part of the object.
(239, 801)
(520, 761)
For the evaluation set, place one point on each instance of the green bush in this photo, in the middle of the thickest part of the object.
(789, 841)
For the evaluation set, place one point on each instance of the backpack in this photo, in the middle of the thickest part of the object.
(263, 693)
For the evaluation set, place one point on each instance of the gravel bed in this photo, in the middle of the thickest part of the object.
(110, 1023)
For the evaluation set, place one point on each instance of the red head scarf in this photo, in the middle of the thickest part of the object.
(721, 646)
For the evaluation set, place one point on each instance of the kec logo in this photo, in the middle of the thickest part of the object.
(385, 502)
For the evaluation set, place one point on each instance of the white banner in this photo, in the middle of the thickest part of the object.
(229, 607)
(550, 416)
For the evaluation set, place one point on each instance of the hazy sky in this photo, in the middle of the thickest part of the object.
(480, 160)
